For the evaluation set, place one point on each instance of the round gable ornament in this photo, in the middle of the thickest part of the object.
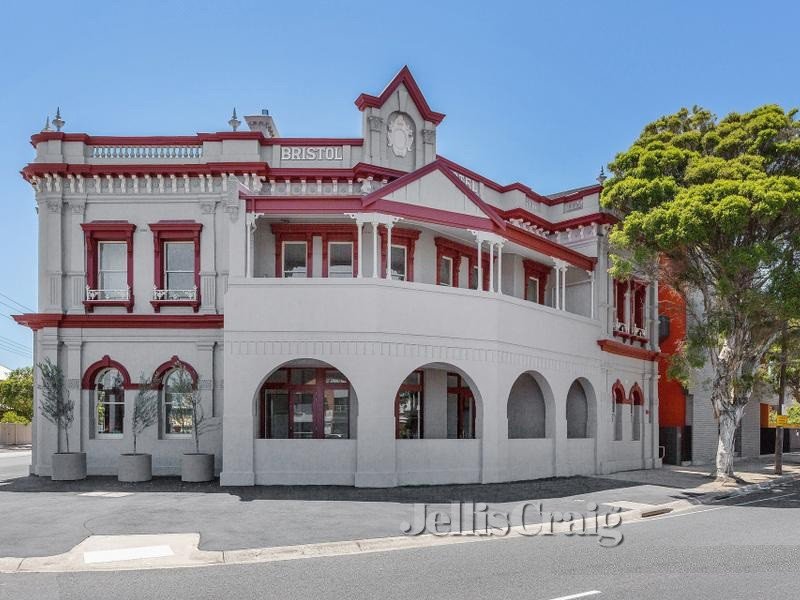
(400, 136)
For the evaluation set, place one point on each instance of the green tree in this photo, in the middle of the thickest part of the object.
(719, 202)
(16, 394)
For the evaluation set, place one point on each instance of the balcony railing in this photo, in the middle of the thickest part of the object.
(146, 152)
(97, 295)
(175, 295)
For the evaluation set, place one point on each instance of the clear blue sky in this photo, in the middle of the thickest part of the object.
(542, 92)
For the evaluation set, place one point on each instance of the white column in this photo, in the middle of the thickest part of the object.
(389, 226)
(591, 294)
(564, 288)
(491, 266)
(375, 250)
(500, 268)
(558, 287)
(359, 228)
(479, 283)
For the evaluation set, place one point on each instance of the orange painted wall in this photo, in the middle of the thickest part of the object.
(671, 398)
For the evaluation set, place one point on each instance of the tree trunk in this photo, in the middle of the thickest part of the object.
(729, 420)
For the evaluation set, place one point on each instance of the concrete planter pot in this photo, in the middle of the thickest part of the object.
(69, 466)
(135, 467)
(197, 467)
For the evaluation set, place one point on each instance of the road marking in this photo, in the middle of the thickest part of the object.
(581, 595)
(629, 505)
(106, 494)
(122, 554)
(765, 499)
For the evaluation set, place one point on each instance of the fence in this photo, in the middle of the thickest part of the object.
(13, 434)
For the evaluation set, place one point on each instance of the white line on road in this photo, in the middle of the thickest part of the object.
(104, 556)
(581, 595)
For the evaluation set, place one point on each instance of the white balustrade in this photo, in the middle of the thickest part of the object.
(149, 152)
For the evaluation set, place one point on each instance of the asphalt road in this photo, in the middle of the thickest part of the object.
(746, 547)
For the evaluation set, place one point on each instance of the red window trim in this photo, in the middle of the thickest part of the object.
(175, 231)
(538, 271)
(89, 376)
(636, 292)
(408, 387)
(400, 237)
(618, 394)
(107, 231)
(317, 407)
(464, 392)
(161, 372)
(302, 232)
(455, 251)
(636, 397)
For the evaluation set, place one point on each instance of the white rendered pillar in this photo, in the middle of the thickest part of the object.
(591, 294)
(558, 287)
(359, 228)
(389, 226)
(491, 266)
(374, 250)
(479, 283)
(564, 289)
(500, 269)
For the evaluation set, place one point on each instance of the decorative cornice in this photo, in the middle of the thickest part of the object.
(626, 350)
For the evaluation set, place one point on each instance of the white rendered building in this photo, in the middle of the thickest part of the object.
(493, 348)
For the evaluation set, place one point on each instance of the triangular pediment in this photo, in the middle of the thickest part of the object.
(405, 79)
(435, 187)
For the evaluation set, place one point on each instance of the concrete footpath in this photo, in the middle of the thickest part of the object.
(101, 524)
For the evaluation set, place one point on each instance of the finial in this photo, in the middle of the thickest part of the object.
(234, 122)
(602, 177)
(58, 121)
(46, 124)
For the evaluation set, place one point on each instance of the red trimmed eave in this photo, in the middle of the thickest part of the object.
(554, 249)
(599, 217)
(404, 77)
(37, 321)
(301, 204)
(625, 350)
(40, 169)
(436, 165)
(360, 169)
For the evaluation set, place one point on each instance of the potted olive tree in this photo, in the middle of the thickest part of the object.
(195, 466)
(133, 467)
(57, 407)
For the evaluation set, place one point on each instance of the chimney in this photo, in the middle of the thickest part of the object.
(263, 123)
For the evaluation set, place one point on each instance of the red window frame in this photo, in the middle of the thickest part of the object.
(174, 231)
(639, 298)
(455, 251)
(409, 387)
(318, 389)
(464, 394)
(618, 393)
(306, 232)
(107, 231)
(400, 237)
(538, 271)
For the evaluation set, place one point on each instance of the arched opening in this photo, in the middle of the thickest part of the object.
(579, 422)
(637, 405)
(436, 402)
(527, 409)
(177, 381)
(617, 405)
(306, 399)
(109, 403)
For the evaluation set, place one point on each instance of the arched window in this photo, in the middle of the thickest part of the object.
(109, 403)
(526, 409)
(637, 405)
(617, 404)
(177, 389)
(577, 412)
(305, 403)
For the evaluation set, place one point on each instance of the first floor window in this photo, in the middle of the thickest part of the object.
(179, 270)
(446, 271)
(294, 259)
(460, 408)
(340, 259)
(109, 403)
(178, 403)
(112, 272)
(532, 290)
(398, 263)
(409, 408)
(305, 403)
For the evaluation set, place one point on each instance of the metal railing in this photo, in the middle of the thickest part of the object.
(174, 295)
(97, 295)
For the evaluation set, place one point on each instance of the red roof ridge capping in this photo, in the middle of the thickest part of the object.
(525, 189)
(405, 77)
(436, 165)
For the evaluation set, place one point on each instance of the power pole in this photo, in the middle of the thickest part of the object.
(781, 397)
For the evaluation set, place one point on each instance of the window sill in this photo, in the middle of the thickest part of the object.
(91, 304)
(630, 338)
(157, 304)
